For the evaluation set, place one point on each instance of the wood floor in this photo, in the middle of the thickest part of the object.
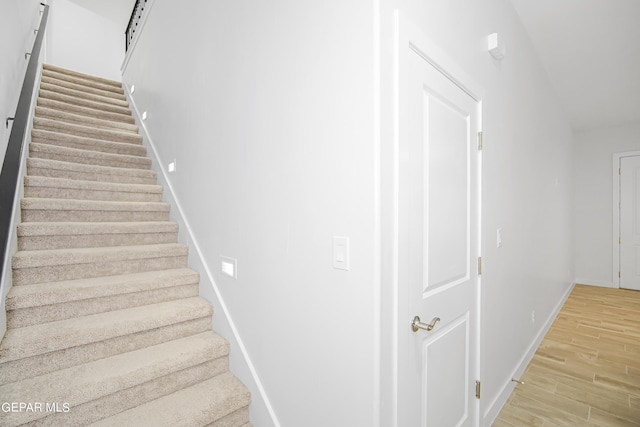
(586, 371)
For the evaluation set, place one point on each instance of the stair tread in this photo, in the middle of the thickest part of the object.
(43, 338)
(58, 139)
(82, 383)
(76, 152)
(70, 205)
(49, 257)
(86, 228)
(85, 111)
(197, 405)
(49, 293)
(83, 95)
(78, 74)
(50, 78)
(101, 106)
(58, 183)
(61, 114)
(81, 167)
(115, 135)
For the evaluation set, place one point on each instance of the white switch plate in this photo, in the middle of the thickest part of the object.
(341, 253)
(229, 266)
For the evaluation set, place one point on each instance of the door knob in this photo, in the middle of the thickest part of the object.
(417, 324)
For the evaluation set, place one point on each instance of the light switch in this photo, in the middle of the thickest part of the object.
(341, 253)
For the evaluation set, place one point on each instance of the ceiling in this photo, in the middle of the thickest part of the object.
(591, 51)
(118, 11)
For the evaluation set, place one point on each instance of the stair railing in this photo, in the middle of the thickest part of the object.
(13, 157)
(134, 20)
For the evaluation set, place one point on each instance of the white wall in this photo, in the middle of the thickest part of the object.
(18, 19)
(593, 153)
(528, 148)
(270, 113)
(81, 40)
(267, 107)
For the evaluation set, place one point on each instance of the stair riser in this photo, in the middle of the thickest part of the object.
(50, 313)
(76, 194)
(86, 131)
(112, 404)
(54, 273)
(66, 117)
(83, 95)
(48, 215)
(83, 88)
(34, 243)
(66, 292)
(47, 94)
(41, 364)
(129, 163)
(234, 419)
(85, 111)
(118, 178)
(87, 81)
(80, 143)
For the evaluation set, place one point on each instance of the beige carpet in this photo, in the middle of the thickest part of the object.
(105, 325)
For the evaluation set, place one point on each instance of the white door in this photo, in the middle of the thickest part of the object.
(630, 222)
(438, 242)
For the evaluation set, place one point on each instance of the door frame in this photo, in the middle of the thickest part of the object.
(615, 241)
(407, 35)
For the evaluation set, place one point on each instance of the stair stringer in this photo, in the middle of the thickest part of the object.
(12, 247)
(240, 364)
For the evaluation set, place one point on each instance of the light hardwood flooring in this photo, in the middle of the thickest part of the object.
(586, 371)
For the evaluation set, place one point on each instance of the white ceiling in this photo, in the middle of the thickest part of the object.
(118, 11)
(591, 51)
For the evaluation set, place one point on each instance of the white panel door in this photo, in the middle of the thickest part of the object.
(438, 243)
(630, 222)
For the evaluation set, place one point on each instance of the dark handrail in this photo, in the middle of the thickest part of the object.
(11, 165)
(136, 15)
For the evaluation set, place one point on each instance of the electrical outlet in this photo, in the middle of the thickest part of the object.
(533, 317)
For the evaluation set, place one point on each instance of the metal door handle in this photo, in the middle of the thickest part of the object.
(417, 324)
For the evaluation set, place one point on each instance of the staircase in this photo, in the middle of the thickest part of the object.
(105, 325)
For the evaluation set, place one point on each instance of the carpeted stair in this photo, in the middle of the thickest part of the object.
(105, 324)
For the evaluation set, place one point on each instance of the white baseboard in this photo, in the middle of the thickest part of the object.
(262, 412)
(494, 407)
(601, 283)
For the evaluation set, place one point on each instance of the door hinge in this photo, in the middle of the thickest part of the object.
(478, 386)
(619, 171)
(619, 275)
(480, 142)
(479, 265)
